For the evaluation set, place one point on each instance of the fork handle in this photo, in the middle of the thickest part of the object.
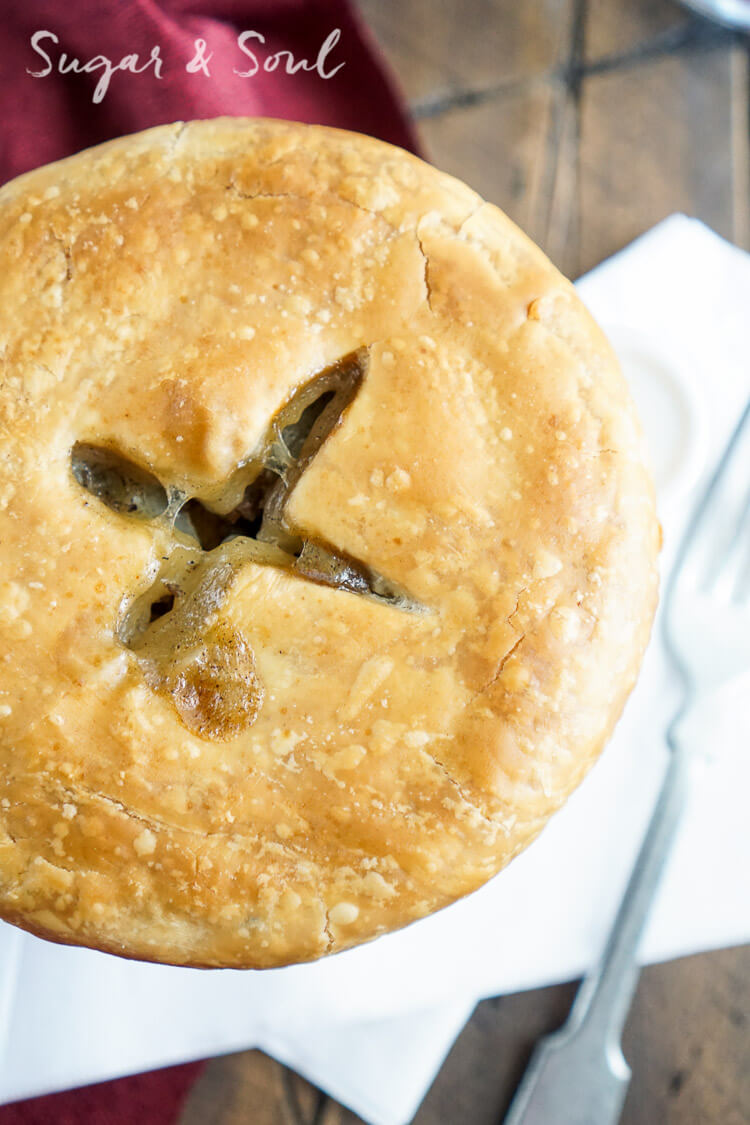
(606, 992)
(579, 1070)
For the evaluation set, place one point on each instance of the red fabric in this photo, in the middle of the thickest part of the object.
(146, 1099)
(48, 118)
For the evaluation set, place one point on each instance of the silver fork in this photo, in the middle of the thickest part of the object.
(578, 1075)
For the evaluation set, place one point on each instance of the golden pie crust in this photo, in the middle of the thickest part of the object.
(278, 767)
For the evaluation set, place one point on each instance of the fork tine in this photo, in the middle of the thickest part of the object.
(741, 592)
(725, 575)
(711, 529)
(712, 564)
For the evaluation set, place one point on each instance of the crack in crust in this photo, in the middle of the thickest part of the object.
(180, 129)
(514, 648)
(250, 195)
(489, 821)
(67, 254)
(426, 259)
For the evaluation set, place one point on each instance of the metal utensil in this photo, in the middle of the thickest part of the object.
(730, 13)
(578, 1075)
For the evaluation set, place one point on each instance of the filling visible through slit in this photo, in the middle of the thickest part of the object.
(117, 482)
(205, 666)
(292, 441)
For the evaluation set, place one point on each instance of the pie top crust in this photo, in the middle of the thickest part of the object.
(263, 694)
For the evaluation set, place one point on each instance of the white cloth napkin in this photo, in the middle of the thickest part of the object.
(372, 1026)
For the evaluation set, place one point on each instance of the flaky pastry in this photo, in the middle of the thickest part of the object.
(327, 549)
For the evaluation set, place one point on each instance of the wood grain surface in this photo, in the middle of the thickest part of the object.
(587, 121)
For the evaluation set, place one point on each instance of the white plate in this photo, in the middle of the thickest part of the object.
(670, 413)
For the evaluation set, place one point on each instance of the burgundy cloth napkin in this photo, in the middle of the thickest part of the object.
(155, 1098)
(50, 117)
(53, 116)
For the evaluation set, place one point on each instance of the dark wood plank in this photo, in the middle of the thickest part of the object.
(615, 28)
(249, 1088)
(688, 1044)
(442, 47)
(654, 139)
(503, 148)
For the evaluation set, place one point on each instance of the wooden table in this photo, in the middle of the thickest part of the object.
(587, 121)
